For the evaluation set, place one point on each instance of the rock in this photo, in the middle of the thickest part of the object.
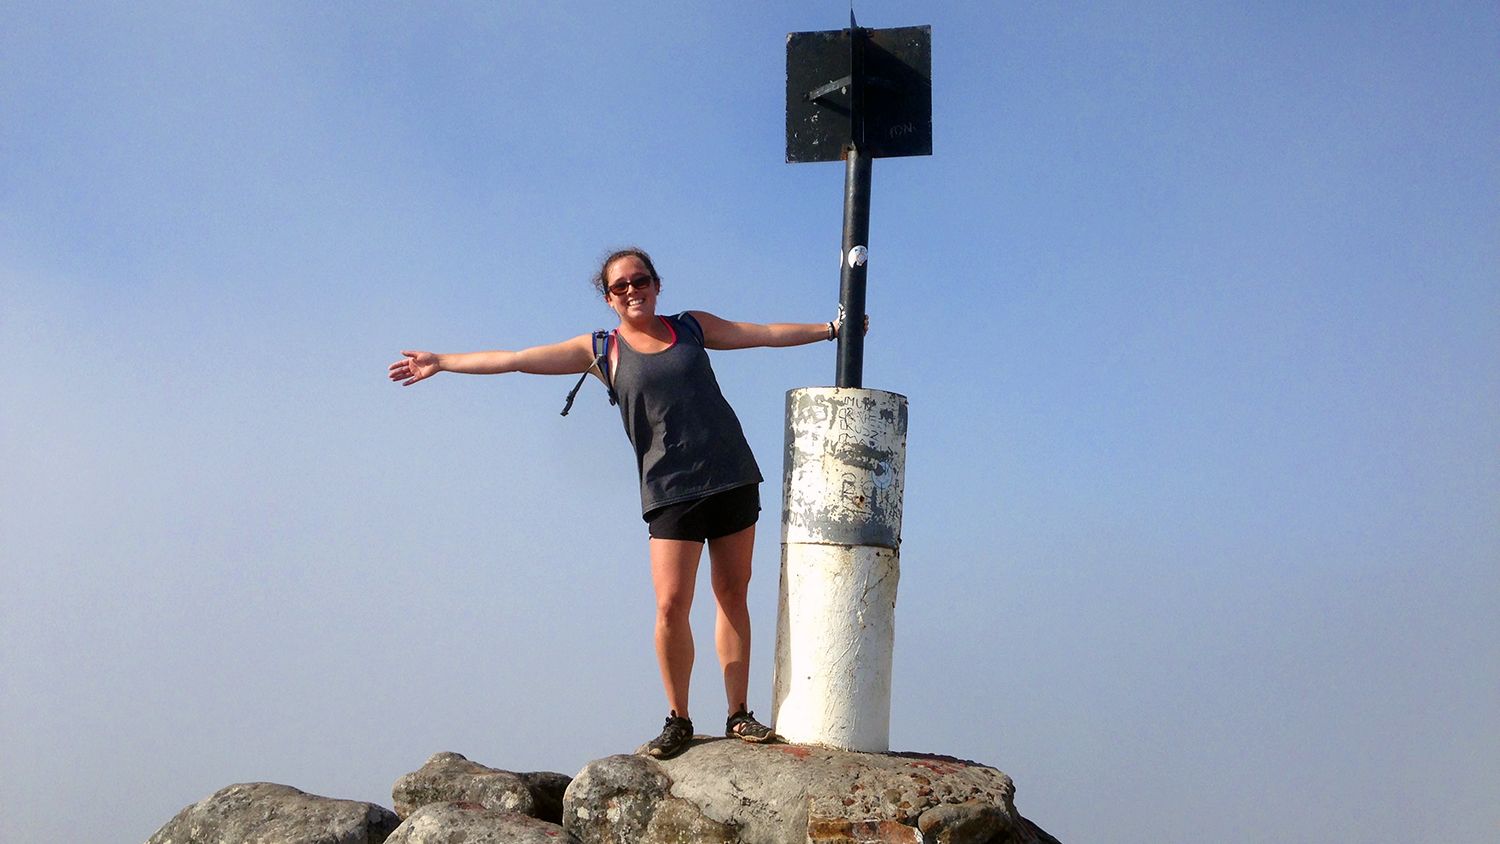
(970, 822)
(267, 812)
(451, 777)
(471, 823)
(625, 800)
(730, 791)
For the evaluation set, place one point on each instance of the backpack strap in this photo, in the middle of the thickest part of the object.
(600, 341)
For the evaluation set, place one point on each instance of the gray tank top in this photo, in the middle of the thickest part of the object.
(688, 442)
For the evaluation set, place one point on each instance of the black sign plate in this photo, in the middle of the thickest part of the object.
(896, 85)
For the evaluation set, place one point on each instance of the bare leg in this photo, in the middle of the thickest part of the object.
(730, 559)
(674, 570)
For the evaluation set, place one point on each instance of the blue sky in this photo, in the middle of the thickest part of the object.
(1197, 307)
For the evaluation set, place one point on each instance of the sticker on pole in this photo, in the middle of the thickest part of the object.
(857, 256)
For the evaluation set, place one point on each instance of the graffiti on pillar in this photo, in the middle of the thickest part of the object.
(852, 493)
(845, 449)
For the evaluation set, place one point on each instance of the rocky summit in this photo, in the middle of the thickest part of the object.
(717, 791)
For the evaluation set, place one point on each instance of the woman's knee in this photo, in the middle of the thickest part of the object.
(674, 606)
(674, 567)
(731, 585)
(731, 576)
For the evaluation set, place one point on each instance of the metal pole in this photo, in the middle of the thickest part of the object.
(851, 350)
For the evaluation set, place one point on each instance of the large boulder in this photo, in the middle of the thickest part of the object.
(628, 800)
(268, 813)
(471, 823)
(451, 777)
(730, 791)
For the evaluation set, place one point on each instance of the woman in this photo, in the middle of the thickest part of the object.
(699, 480)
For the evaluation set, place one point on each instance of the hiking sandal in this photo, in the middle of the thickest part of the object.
(742, 725)
(675, 736)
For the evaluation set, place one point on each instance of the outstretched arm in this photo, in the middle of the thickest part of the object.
(723, 334)
(568, 357)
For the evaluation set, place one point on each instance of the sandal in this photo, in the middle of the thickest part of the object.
(675, 736)
(742, 725)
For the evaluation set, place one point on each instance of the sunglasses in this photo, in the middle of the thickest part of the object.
(624, 284)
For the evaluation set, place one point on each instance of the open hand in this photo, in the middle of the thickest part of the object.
(414, 367)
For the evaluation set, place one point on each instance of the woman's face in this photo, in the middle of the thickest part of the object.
(634, 302)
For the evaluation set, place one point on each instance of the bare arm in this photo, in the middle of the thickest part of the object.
(723, 334)
(568, 357)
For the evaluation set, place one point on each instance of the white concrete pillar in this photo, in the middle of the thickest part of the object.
(840, 564)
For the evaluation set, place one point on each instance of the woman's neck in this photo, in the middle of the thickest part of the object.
(646, 333)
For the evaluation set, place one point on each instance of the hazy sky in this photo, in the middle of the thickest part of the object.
(1197, 307)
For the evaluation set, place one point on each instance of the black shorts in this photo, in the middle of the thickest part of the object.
(720, 514)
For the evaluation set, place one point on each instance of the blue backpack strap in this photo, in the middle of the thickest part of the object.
(601, 358)
(601, 353)
(600, 341)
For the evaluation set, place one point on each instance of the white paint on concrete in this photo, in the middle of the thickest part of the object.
(835, 630)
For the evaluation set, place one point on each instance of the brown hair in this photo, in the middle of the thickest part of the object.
(602, 284)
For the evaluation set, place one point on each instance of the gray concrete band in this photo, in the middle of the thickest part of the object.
(845, 467)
